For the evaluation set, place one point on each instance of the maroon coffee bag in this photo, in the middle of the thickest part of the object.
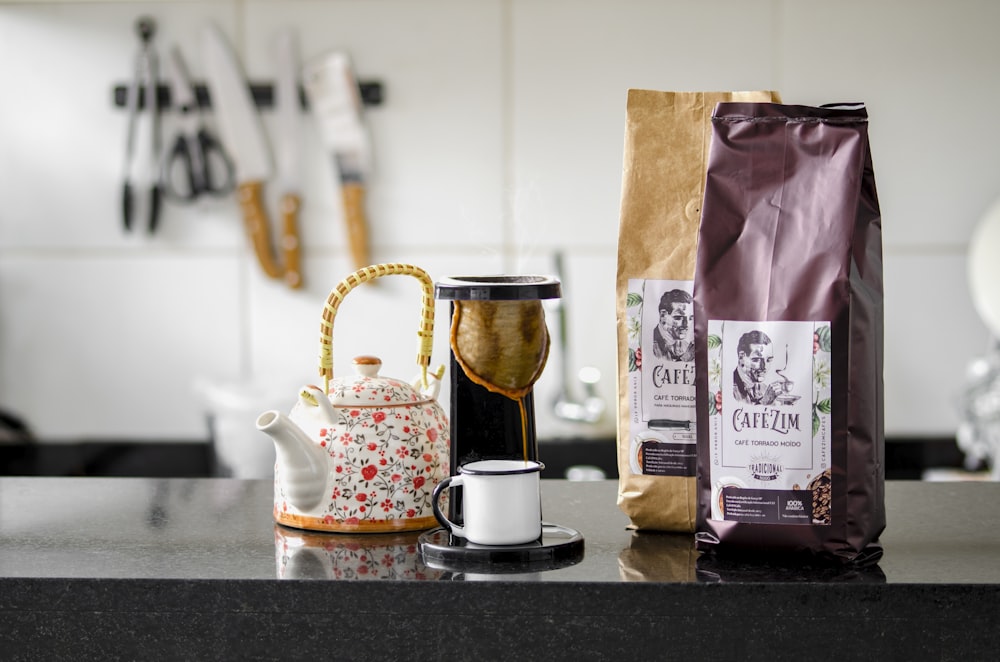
(789, 336)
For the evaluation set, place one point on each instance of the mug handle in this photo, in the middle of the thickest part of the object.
(447, 483)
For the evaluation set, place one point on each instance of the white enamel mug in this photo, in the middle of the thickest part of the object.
(501, 502)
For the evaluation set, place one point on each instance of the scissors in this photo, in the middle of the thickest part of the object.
(196, 164)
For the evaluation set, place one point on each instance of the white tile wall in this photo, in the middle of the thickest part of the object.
(107, 343)
(931, 329)
(499, 142)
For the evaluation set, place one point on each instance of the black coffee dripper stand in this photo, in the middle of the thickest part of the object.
(486, 425)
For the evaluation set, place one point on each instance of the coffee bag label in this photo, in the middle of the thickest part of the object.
(661, 377)
(769, 421)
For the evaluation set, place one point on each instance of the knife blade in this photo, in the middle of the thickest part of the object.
(240, 123)
(336, 104)
(288, 151)
(243, 134)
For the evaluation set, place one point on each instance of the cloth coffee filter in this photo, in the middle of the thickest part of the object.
(501, 345)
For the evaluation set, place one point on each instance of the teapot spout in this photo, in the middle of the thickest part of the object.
(302, 464)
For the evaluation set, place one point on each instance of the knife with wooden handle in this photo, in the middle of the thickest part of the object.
(288, 150)
(290, 204)
(353, 194)
(243, 135)
(336, 104)
(251, 195)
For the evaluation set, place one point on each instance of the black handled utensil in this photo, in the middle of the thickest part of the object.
(144, 83)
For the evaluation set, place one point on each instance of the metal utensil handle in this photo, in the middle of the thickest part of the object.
(425, 332)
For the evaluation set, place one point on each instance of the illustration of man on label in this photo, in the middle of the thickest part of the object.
(754, 355)
(672, 337)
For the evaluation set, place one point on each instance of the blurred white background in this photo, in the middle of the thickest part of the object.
(499, 143)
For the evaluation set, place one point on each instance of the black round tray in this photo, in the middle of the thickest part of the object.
(558, 547)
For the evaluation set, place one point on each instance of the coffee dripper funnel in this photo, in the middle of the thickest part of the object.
(499, 346)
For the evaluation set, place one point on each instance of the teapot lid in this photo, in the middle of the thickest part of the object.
(367, 389)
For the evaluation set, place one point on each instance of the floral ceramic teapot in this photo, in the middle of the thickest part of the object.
(363, 453)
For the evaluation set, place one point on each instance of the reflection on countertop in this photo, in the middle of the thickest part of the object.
(302, 554)
(217, 528)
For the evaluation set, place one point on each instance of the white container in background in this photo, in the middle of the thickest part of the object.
(239, 449)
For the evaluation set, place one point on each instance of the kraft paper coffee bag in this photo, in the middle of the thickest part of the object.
(789, 336)
(667, 136)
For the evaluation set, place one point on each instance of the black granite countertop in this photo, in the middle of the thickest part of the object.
(123, 568)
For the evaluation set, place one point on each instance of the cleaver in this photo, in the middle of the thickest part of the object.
(335, 101)
(243, 134)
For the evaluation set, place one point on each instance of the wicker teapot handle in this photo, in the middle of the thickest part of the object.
(425, 333)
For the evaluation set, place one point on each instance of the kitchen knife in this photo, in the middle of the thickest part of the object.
(336, 104)
(288, 150)
(243, 135)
